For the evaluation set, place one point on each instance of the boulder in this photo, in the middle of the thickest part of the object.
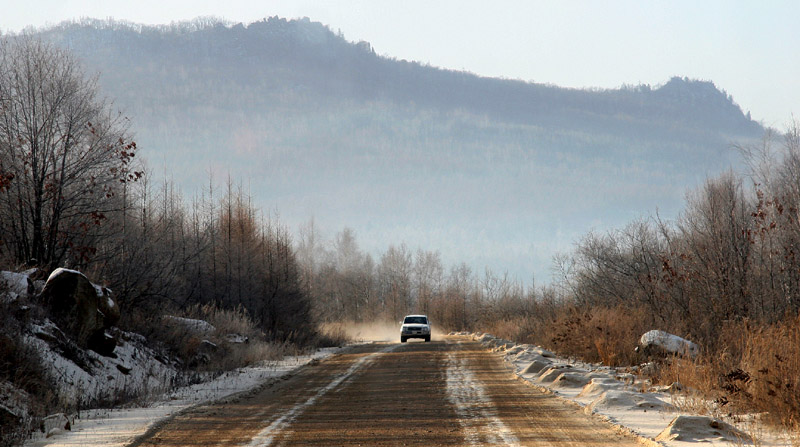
(659, 343)
(191, 325)
(14, 286)
(83, 310)
(55, 424)
(237, 339)
(13, 405)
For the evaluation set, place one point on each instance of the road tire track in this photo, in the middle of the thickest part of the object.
(453, 393)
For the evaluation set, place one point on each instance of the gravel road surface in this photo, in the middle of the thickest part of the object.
(450, 392)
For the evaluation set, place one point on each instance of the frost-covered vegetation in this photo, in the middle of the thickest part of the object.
(724, 274)
(73, 193)
(199, 275)
(492, 172)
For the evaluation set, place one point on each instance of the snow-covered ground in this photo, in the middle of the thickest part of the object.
(82, 377)
(118, 427)
(627, 402)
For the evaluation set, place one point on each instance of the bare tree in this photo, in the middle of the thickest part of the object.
(66, 150)
(428, 278)
(395, 280)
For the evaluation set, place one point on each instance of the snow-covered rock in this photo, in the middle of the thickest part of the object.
(627, 400)
(82, 309)
(516, 349)
(549, 375)
(599, 385)
(14, 286)
(501, 344)
(572, 379)
(236, 339)
(616, 396)
(536, 366)
(655, 341)
(485, 338)
(543, 352)
(83, 377)
(197, 327)
(13, 404)
(55, 424)
(703, 429)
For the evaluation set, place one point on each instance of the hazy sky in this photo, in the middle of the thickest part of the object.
(749, 48)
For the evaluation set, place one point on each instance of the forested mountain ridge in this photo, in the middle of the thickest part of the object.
(496, 172)
(307, 55)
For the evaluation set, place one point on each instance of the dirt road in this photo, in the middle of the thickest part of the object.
(450, 392)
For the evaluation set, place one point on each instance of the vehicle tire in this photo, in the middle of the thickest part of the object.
(402, 339)
(427, 338)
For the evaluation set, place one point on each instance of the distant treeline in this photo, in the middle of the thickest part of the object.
(73, 193)
(319, 126)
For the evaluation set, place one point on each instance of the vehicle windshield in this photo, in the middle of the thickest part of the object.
(415, 320)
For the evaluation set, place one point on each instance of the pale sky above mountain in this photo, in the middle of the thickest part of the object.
(750, 49)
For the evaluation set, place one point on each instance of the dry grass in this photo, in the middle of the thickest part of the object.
(749, 368)
(335, 334)
(771, 360)
(755, 369)
(607, 335)
(520, 329)
(229, 325)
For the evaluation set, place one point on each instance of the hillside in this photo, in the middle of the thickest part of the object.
(496, 172)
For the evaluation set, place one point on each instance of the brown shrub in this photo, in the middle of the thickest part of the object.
(771, 362)
(598, 334)
(187, 344)
(753, 368)
(520, 329)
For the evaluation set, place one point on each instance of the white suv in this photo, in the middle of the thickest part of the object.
(415, 326)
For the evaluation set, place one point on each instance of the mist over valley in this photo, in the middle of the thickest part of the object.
(497, 173)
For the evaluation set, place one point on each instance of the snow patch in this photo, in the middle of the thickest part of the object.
(613, 400)
(618, 398)
(703, 428)
(120, 427)
(86, 377)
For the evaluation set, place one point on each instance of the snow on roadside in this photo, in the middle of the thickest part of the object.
(618, 398)
(119, 427)
(83, 376)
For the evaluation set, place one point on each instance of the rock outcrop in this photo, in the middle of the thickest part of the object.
(83, 310)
